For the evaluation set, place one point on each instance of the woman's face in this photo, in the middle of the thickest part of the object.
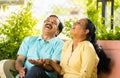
(79, 28)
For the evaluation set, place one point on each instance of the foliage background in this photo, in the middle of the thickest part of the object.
(103, 32)
(14, 29)
(22, 23)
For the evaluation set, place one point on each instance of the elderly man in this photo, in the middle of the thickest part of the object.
(46, 46)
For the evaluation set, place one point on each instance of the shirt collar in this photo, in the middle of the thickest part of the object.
(40, 38)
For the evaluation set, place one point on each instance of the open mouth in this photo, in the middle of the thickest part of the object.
(48, 26)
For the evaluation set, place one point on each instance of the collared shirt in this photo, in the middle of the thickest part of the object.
(35, 48)
(81, 63)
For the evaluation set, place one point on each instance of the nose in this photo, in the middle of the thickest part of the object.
(74, 24)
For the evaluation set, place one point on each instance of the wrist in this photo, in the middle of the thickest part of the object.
(47, 62)
(19, 62)
(50, 61)
(18, 66)
(19, 69)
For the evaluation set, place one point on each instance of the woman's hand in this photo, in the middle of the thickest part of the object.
(47, 61)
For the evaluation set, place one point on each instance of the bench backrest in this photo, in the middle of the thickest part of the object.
(112, 49)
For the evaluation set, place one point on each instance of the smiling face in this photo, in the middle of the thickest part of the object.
(79, 29)
(51, 26)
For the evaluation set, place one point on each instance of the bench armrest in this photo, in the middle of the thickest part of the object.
(5, 67)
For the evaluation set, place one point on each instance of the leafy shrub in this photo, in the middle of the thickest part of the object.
(14, 29)
(102, 32)
(68, 25)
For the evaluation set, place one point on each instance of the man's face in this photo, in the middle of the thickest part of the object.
(51, 25)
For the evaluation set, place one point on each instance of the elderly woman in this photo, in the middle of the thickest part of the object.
(79, 58)
(80, 55)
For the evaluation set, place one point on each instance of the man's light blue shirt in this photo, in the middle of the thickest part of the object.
(35, 47)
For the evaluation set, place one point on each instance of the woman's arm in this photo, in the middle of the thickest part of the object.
(89, 62)
(54, 64)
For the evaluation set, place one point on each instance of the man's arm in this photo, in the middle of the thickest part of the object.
(19, 62)
(19, 66)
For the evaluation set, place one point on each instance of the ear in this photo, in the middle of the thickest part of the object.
(57, 32)
(87, 31)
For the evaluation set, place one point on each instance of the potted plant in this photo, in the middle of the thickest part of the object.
(108, 38)
(110, 41)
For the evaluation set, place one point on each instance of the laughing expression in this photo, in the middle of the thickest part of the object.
(51, 25)
(79, 28)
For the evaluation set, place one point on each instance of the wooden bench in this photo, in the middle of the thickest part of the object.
(113, 53)
(112, 49)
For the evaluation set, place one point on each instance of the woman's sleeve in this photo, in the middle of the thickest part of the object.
(89, 62)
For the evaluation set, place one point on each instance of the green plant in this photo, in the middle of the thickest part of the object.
(108, 34)
(12, 31)
(103, 32)
(68, 25)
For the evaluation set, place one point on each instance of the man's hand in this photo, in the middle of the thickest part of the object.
(42, 62)
(22, 72)
(38, 62)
